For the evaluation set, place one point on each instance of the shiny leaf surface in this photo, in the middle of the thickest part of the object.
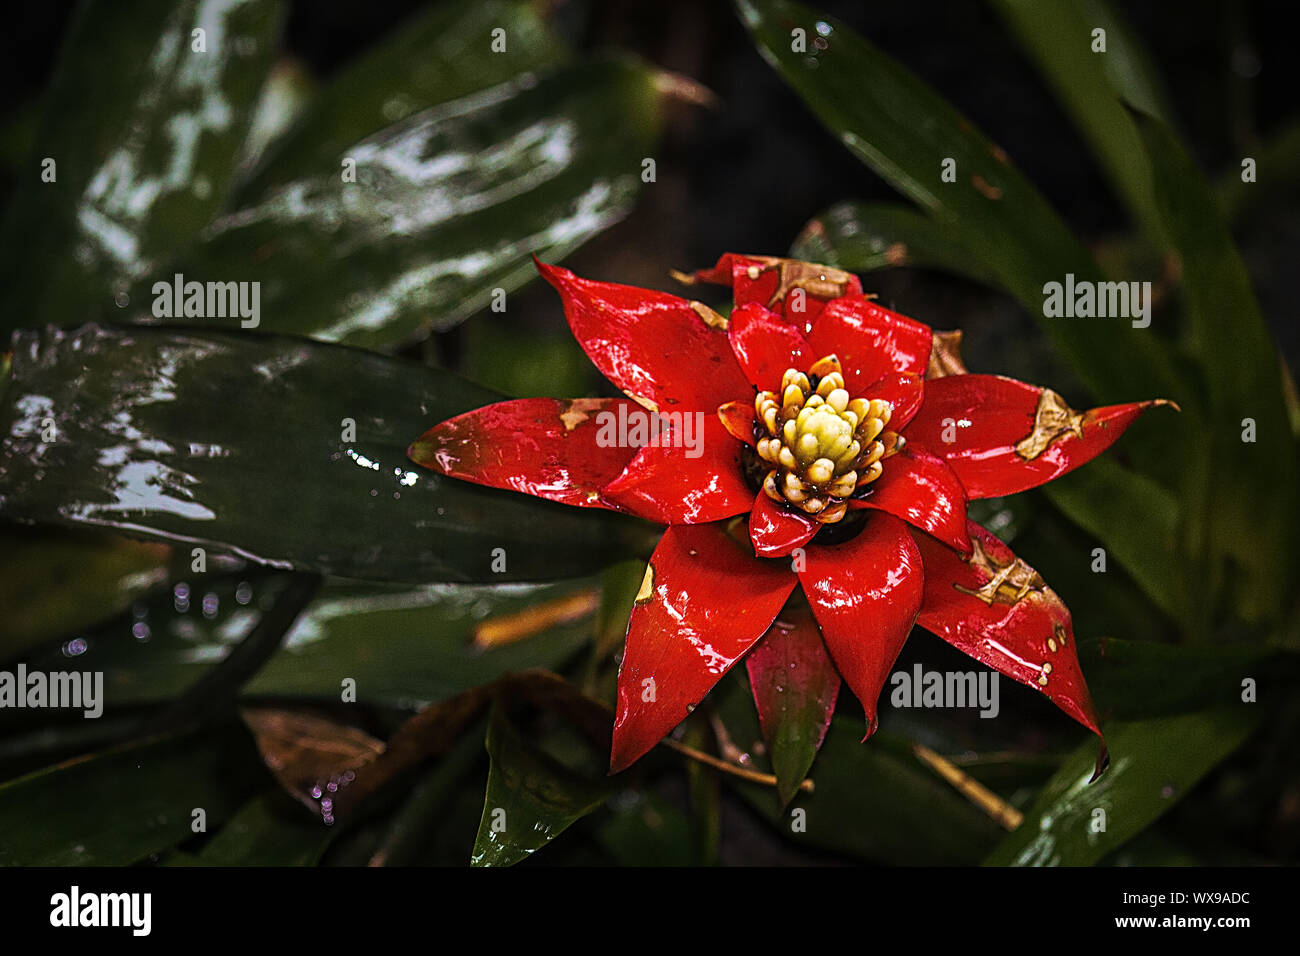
(144, 129)
(531, 798)
(441, 55)
(403, 646)
(244, 443)
(445, 206)
(1154, 763)
(53, 582)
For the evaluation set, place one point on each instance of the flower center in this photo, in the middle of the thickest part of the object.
(823, 445)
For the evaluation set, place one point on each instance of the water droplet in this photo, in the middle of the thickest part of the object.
(75, 647)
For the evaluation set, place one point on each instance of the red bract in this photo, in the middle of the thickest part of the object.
(814, 440)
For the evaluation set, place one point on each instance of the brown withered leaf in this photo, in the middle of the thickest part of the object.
(312, 757)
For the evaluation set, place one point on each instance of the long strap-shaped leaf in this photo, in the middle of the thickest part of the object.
(279, 449)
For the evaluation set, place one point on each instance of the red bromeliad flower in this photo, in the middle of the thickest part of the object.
(850, 437)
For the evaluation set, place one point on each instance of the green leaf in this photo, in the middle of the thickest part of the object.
(439, 56)
(243, 443)
(523, 361)
(447, 205)
(907, 815)
(1255, 524)
(411, 647)
(904, 131)
(1094, 86)
(1277, 172)
(268, 831)
(864, 237)
(143, 130)
(117, 807)
(403, 646)
(54, 582)
(1154, 763)
(1135, 518)
(872, 800)
(644, 829)
(531, 798)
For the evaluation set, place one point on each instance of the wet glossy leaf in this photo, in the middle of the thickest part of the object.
(244, 443)
(117, 807)
(531, 798)
(795, 687)
(53, 582)
(864, 237)
(1154, 763)
(402, 646)
(143, 129)
(441, 55)
(445, 206)
(872, 104)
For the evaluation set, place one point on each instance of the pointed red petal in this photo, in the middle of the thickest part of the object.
(870, 341)
(765, 346)
(771, 281)
(703, 604)
(923, 491)
(1002, 436)
(691, 476)
(776, 530)
(905, 392)
(795, 686)
(652, 345)
(1024, 633)
(739, 420)
(547, 447)
(865, 594)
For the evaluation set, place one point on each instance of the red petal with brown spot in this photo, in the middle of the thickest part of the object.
(998, 610)
(1002, 436)
(797, 291)
(547, 447)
